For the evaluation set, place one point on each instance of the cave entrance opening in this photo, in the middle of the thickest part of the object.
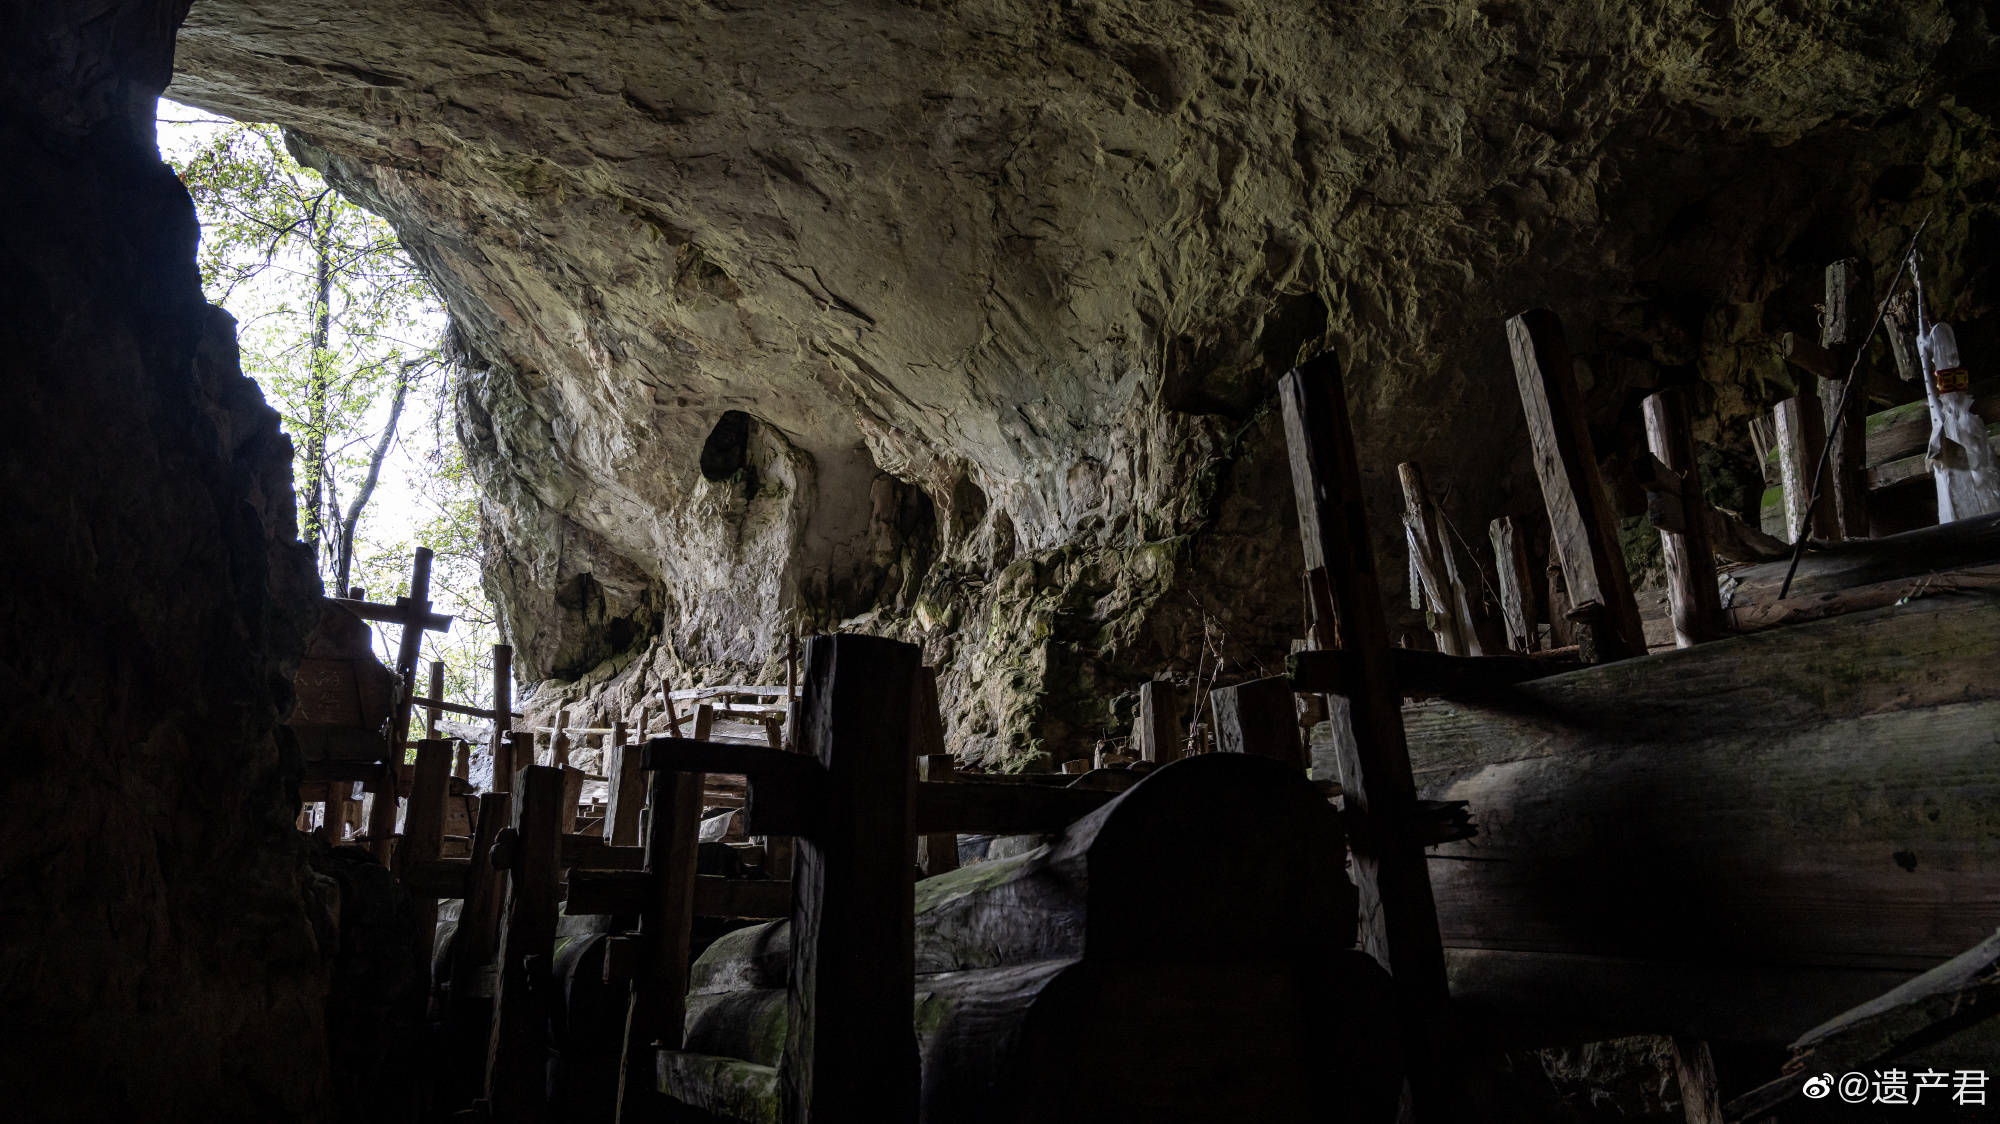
(338, 324)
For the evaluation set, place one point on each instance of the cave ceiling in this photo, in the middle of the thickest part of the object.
(1003, 287)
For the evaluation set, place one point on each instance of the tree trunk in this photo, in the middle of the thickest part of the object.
(313, 526)
(344, 559)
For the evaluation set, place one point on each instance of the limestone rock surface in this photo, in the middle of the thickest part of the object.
(960, 320)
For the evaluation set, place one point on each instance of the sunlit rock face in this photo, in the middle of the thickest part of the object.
(995, 293)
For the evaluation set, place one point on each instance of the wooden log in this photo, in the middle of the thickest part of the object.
(1844, 318)
(1819, 804)
(1801, 437)
(1259, 718)
(1818, 606)
(1440, 598)
(1691, 590)
(1964, 545)
(1583, 526)
(1398, 916)
(1517, 591)
(850, 1049)
(517, 1054)
(937, 852)
(1157, 734)
(1694, 1071)
(416, 607)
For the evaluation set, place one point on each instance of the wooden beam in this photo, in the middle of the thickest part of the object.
(435, 703)
(658, 1007)
(850, 1043)
(504, 762)
(630, 892)
(1259, 718)
(1440, 599)
(398, 613)
(432, 706)
(517, 1053)
(1517, 588)
(1691, 590)
(1844, 319)
(423, 829)
(1694, 1069)
(1399, 923)
(1801, 437)
(1798, 608)
(1583, 526)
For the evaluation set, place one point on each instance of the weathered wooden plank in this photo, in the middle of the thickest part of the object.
(1517, 590)
(1691, 590)
(398, 613)
(1833, 603)
(432, 707)
(1967, 544)
(1440, 594)
(1583, 526)
(850, 1045)
(658, 1004)
(1399, 925)
(1694, 1071)
(423, 828)
(1801, 438)
(1259, 718)
(1157, 735)
(627, 796)
(1821, 798)
(517, 1053)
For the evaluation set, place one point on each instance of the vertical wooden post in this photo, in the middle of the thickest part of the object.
(1843, 320)
(937, 853)
(1801, 436)
(1694, 1065)
(503, 717)
(517, 1053)
(1517, 591)
(474, 946)
(1399, 922)
(433, 714)
(423, 830)
(850, 1040)
(1157, 732)
(1442, 599)
(559, 739)
(382, 812)
(1259, 718)
(627, 795)
(1691, 590)
(333, 827)
(1585, 530)
(656, 1018)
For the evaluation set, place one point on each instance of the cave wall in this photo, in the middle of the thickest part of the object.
(159, 957)
(1006, 286)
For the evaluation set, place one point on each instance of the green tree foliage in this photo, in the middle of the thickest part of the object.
(345, 335)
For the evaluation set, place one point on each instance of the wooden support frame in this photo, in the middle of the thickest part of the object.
(1801, 432)
(1583, 526)
(1692, 595)
(503, 718)
(1444, 599)
(1399, 919)
(1844, 316)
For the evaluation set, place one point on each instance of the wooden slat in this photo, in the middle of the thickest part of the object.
(970, 805)
(1259, 718)
(1517, 589)
(850, 1044)
(517, 1054)
(1583, 526)
(1398, 916)
(1691, 589)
